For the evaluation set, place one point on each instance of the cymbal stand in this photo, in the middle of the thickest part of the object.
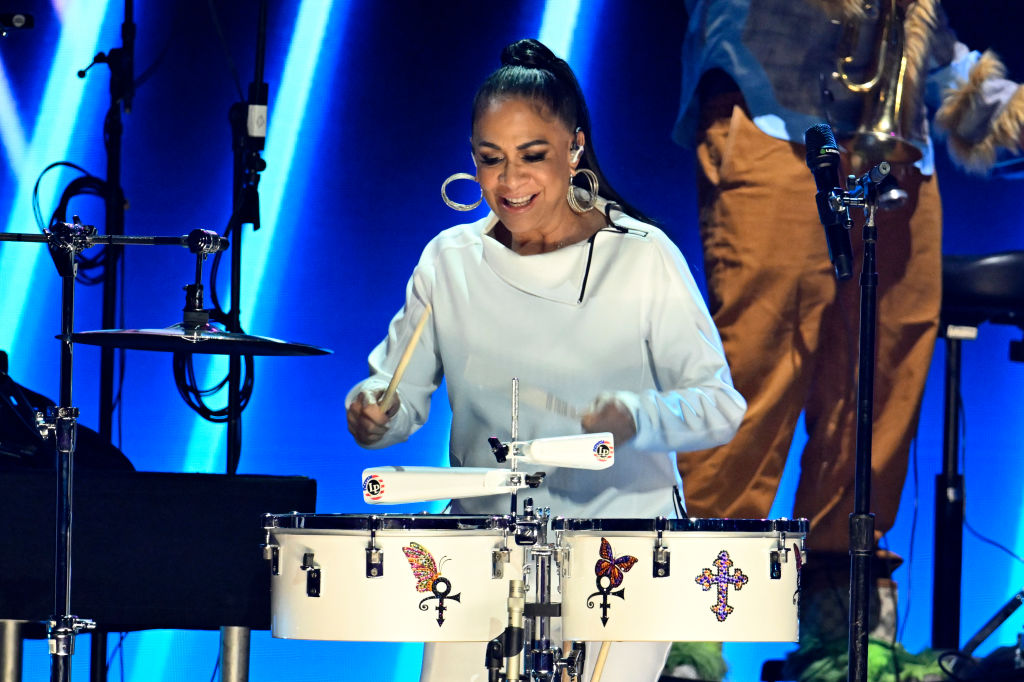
(202, 243)
(121, 61)
(61, 423)
(65, 242)
(862, 521)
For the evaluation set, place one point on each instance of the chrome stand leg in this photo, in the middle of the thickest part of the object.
(10, 651)
(234, 654)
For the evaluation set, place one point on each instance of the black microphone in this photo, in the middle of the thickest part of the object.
(823, 160)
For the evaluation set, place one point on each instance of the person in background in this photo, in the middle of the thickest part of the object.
(756, 75)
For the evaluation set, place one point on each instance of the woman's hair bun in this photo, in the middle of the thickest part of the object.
(529, 53)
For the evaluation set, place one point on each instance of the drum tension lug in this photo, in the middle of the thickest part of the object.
(312, 569)
(777, 557)
(574, 660)
(272, 553)
(271, 550)
(499, 558)
(662, 561)
(374, 555)
(775, 570)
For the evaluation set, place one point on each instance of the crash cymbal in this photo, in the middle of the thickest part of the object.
(181, 339)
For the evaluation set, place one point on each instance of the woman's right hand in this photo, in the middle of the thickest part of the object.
(367, 421)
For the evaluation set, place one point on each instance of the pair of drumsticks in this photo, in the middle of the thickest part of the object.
(389, 394)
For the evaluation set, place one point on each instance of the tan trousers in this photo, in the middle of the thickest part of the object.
(790, 331)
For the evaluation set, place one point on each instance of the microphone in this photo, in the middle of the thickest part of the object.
(823, 160)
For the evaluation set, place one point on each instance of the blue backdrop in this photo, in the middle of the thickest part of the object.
(369, 112)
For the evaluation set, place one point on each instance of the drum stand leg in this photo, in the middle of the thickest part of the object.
(98, 657)
(10, 651)
(542, 655)
(234, 654)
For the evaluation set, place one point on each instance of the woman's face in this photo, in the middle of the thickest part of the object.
(523, 157)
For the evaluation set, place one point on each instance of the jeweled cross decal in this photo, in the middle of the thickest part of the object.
(721, 577)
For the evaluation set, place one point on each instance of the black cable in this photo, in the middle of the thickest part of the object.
(148, 72)
(913, 536)
(227, 52)
(36, 211)
(943, 657)
(992, 542)
(963, 468)
(118, 651)
(677, 502)
(188, 387)
(116, 404)
(84, 184)
(216, 667)
(218, 313)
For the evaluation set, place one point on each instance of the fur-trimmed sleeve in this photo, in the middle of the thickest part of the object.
(983, 114)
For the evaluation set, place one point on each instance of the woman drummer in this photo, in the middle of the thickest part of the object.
(569, 288)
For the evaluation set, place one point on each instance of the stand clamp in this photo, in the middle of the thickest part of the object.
(62, 631)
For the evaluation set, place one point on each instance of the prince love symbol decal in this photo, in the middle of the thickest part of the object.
(610, 572)
(429, 579)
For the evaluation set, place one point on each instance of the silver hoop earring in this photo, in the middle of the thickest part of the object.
(454, 204)
(574, 202)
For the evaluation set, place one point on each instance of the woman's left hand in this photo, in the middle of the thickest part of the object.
(610, 415)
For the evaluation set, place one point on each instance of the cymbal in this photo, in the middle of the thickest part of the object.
(206, 339)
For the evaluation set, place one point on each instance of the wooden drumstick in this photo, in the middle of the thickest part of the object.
(602, 656)
(389, 394)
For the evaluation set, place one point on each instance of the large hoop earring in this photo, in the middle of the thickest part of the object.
(574, 202)
(454, 204)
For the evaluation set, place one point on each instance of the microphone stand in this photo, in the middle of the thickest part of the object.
(248, 133)
(862, 521)
(121, 61)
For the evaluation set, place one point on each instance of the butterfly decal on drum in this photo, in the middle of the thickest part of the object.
(610, 571)
(429, 579)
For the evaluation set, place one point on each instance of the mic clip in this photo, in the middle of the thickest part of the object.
(865, 190)
(100, 58)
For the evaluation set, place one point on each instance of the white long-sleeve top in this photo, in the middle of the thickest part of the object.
(618, 316)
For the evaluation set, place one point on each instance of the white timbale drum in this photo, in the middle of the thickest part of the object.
(723, 580)
(390, 577)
